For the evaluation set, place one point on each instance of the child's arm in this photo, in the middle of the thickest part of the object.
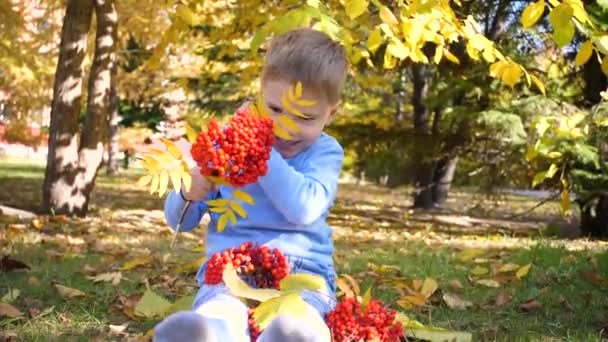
(200, 191)
(303, 196)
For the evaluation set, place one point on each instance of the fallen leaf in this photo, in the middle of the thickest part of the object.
(487, 282)
(139, 261)
(182, 304)
(428, 287)
(111, 277)
(468, 255)
(151, 305)
(455, 284)
(510, 267)
(7, 264)
(343, 286)
(592, 277)
(502, 299)
(563, 301)
(7, 310)
(353, 284)
(455, 302)
(117, 329)
(38, 223)
(478, 271)
(192, 266)
(438, 334)
(10, 296)
(88, 269)
(523, 271)
(68, 292)
(33, 281)
(530, 305)
(58, 218)
(567, 260)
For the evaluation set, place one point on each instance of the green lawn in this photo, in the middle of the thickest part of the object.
(378, 242)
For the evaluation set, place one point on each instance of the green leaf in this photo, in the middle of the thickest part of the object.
(190, 133)
(539, 178)
(243, 196)
(290, 304)
(367, 296)
(302, 281)
(239, 288)
(355, 8)
(563, 35)
(151, 305)
(532, 13)
(182, 304)
(561, 15)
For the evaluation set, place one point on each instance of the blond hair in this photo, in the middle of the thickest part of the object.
(310, 57)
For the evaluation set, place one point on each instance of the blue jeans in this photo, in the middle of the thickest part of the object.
(227, 315)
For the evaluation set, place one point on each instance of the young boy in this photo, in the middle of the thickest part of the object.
(292, 200)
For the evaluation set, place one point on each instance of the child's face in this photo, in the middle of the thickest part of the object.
(319, 115)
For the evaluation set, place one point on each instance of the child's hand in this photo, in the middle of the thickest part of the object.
(200, 186)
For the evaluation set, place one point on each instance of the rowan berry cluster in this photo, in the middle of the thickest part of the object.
(347, 322)
(257, 265)
(238, 152)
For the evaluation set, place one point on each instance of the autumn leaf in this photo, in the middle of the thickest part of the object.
(243, 196)
(239, 288)
(191, 266)
(182, 304)
(367, 296)
(502, 299)
(532, 13)
(110, 277)
(487, 282)
(531, 305)
(438, 334)
(455, 284)
(7, 310)
(469, 254)
(139, 261)
(290, 304)
(455, 302)
(151, 305)
(523, 271)
(68, 292)
(344, 287)
(353, 284)
(428, 287)
(10, 296)
(38, 223)
(509, 267)
(478, 271)
(302, 281)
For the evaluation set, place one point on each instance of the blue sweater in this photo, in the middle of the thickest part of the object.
(292, 202)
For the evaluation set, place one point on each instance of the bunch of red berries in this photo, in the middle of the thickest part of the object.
(238, 152)
(348, 322)
(254, 330)
(257, 265)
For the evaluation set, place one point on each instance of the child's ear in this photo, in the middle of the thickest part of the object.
(332, 112)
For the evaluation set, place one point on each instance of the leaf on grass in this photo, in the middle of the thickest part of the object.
(290, 304)
(407, 322)
(151, 305)
(239, 288)
(353, 284)
(182, 304)
(191, 266)
(531, 305)
(455, 284)
(7, 310)
(7, 264)
(428, 287)
(110, 277)
(456, 302)
(502, 299)
(567, 260)
(243, 196)
(344, 287)
(139, 261)
(523, 271)
(487, 282)
(509, 267)
(302, 281)
(38, 223)
(438, 334)
(68, 292)
(117, 329)
(10, 296)
(468, 255)
(478, 271)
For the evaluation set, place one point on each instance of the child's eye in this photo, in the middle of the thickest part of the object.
(275, 109)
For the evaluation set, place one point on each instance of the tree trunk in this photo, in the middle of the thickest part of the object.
(113, 143)
(594, 221)
(62, 159)
(68, 186)
(423, 173)
(442, 179)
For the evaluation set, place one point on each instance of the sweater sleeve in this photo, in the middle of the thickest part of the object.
(303, 196)
(173, 207)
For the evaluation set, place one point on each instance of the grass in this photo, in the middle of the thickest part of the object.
(379, 252)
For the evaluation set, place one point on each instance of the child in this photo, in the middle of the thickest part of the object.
(292, 200)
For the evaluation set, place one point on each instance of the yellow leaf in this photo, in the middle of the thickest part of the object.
(531, 153)
(538, 84)
(397, 49)
(144, 180)
(299, 89)
(450, 56)
(455, 302)
(469, 254)
(139, 261)
(539, 178)
(154, 185)
(497, 69)
(218, 180)
(222, 202)
(554, 154)
(508, 268)
(110, 277)
(605, 65)
(563, 35)
(374, 40)
(289, 108)
(190, 133)
(243, 196)
(438, 54)
(150, 163)
(231, 215)
(477, 271)
(355, 8)
(417, 299)
(367, 296)
(176, 179)
(192, 266)
(163, 182)
(187, 179)
(532, 13)
(172, 149)
(388, 17)
(289, 123)
(290, 304)
(185, 13)
(488, 282)
(7, 310)
(343, 286)
(281, 132)
(239, 288)
(561, 15)
(162, 156)
(584, 53)
(511, 75)
(221, 223)
(151, 305)
(302, 281)
(353, 284)
(68, 292)
(238, 209)
(218, 209)
(428, 287)
(405, 304)
(523, 271)
(565, 200)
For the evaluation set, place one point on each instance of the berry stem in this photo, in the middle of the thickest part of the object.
(182, 214)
